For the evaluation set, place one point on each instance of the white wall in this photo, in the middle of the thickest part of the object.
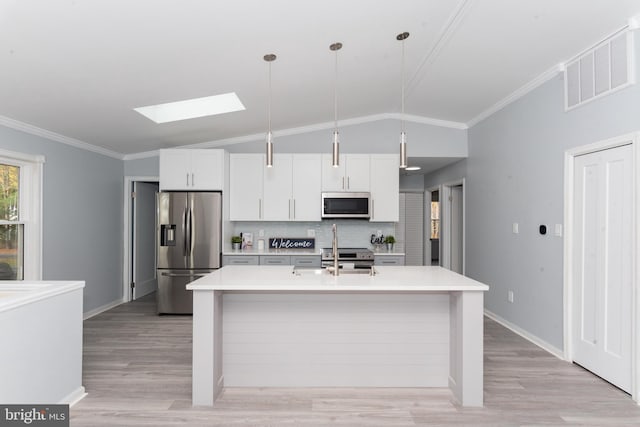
(515, 174)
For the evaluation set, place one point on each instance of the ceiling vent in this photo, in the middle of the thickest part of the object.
(601, 70)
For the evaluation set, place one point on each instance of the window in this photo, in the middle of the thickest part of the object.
(435, 220)
(20, 216)
(11, 230)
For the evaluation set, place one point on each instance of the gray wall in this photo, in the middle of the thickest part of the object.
(147, 166)
(515, 174)
(381, 136)
(82, 215)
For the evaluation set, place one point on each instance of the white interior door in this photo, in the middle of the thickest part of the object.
(602, 263)
(144, 239)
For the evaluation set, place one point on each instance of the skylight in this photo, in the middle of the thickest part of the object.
(192, 108)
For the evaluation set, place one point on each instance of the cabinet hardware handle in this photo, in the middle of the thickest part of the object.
(294, 208)
(373, 208)
(343, 183)
(260, 208)
(187, 179)
(348, 184)
(289, 208)
(193, 180)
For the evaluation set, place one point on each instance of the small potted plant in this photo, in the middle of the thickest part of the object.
(389, 240)
(236, 241)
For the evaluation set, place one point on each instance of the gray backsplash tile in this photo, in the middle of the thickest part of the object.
(351, 232)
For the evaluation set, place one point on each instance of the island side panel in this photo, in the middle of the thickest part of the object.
(207, 377)
(466, 367)
(341, 339)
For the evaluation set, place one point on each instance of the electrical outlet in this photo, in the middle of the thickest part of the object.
(311, 232)
(515, 228)
(260, 233)
(510, 296)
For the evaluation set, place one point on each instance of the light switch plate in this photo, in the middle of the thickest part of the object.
(515, 228)
(558, 230)
(311, 232)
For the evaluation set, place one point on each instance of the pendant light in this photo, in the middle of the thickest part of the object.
(335, 149)
(269, 58)
(403, 135)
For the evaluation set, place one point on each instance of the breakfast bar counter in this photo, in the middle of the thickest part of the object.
(277, 326)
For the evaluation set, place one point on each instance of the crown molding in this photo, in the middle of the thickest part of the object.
(518, 93)
(34, 130)
(141, 155)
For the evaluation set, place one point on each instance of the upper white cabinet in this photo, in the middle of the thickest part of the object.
(185, 169)
(306, 190)
(246, 187)
(351, 175)
(292, 188)
(277, 188)
(385, 188)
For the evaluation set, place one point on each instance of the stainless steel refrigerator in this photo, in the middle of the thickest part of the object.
(189, 245)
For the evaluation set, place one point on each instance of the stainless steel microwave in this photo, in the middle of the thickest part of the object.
(346, 205)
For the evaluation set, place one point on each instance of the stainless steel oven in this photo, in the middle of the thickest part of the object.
(359, 257)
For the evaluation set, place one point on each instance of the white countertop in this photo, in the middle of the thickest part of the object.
(387, 279)
(17, 293)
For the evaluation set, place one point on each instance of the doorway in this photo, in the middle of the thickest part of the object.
(139, 276)
(600, 273)
(452, 226)
(433, 226)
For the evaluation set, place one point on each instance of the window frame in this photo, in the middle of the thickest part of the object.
(30, 208)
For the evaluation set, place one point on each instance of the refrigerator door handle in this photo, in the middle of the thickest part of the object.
(190, 231)
(196, 275)
(185, 240)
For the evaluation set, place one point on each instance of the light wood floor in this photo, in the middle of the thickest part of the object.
(137, 371)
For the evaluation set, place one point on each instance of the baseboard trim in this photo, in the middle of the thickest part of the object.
(102, 309)
(526, 335)
(74, 397)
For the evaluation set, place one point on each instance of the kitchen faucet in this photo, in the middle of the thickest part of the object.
(334, 250)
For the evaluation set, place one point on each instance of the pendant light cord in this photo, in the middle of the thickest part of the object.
(402, 89)
(269, 108)
(335, 94)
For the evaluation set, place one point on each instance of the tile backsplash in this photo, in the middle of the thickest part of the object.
(351, 232)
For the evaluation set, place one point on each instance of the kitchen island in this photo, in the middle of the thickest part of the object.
(278, 327)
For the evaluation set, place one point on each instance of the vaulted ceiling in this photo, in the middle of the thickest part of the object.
(78, 67)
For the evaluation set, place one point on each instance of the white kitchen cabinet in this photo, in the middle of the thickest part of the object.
(385, 188)
(351, 175)
(246, 187)
(277, 188)
(190, 169)
(307, 187)
(292, 188)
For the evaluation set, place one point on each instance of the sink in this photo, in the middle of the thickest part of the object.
(348, 271)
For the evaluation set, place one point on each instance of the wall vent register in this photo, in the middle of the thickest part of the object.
(607, 67)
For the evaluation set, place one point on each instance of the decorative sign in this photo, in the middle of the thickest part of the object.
(292, 243)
